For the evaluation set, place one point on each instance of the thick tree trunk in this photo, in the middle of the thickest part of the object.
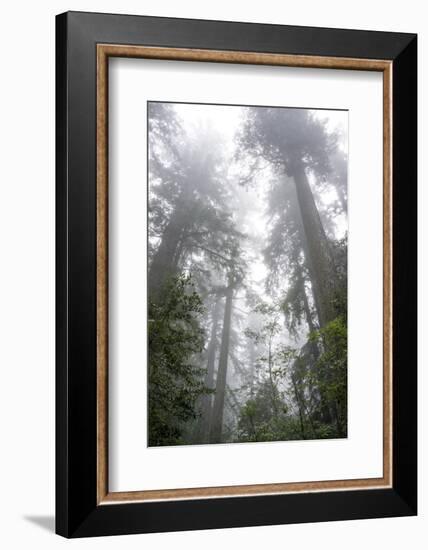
(321, 265)
(304, 245)
(312, 345)
(306, 307)
(164, 262)
(217, 415)
(314, 352)
(319, 262)
(206, 404)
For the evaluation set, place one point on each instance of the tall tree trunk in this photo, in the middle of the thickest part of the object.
(304, 246)
(217, 415)
(271, 382)
(252, 367)
(164, 260)
(320, 256)
(206, 404)
(297, 397)
(306, 308)
(312, 345)
(319, 262)
(314, 353)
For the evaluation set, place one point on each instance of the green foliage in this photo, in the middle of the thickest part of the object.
(175, 383)
(300, 394)
(330, 371)
(259, 420)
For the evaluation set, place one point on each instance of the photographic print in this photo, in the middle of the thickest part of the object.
(247, 273)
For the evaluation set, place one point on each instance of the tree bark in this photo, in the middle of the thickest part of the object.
(304, 246)
(306, 307)
(207, 400)
(271, 382)
(164, 260)
(321, 264)
(299, 406)
(252, 367)
(218, 408)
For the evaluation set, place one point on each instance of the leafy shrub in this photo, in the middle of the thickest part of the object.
(175, 383)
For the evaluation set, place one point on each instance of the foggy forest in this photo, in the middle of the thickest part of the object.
(247, 274)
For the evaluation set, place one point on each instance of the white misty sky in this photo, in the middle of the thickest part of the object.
(225, 119)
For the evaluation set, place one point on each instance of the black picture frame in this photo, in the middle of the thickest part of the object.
(77, 511)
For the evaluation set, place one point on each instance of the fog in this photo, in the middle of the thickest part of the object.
(247, 274)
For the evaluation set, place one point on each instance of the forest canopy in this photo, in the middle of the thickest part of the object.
(247, 274)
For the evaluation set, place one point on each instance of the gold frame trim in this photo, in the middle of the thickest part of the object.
(104, 51)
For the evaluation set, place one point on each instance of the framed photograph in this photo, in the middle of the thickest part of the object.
(236, 274)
